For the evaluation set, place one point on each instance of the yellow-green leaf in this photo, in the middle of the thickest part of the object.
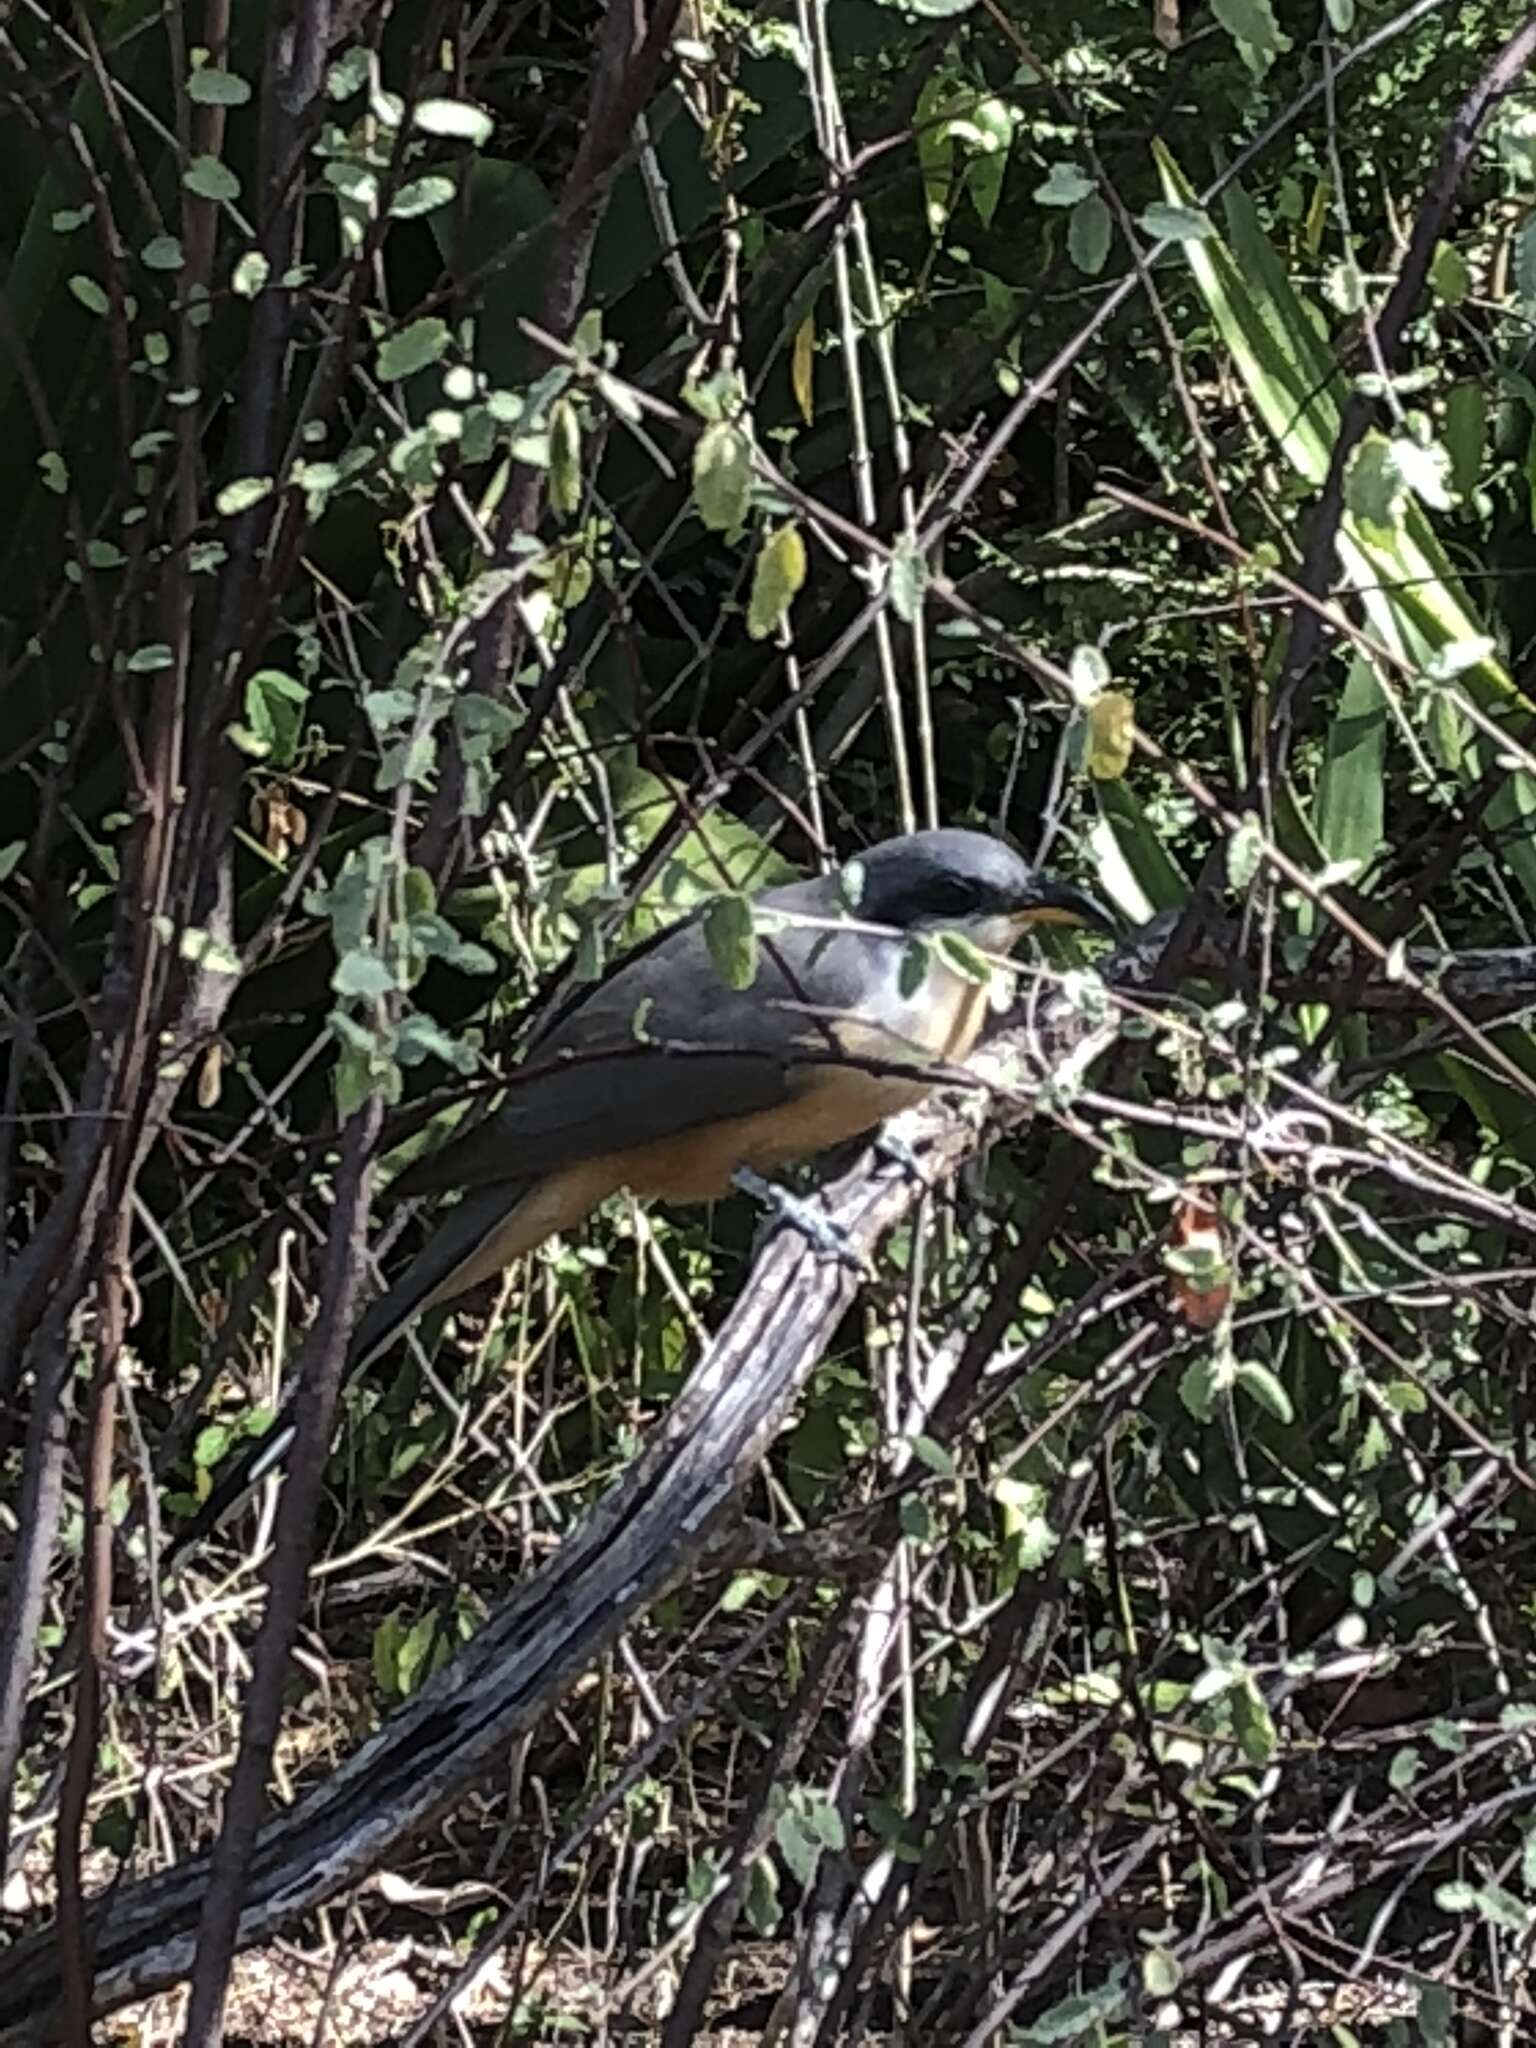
(564, 458)
(802, 361)
(1111, 733)
(776, 580)
(730, 933)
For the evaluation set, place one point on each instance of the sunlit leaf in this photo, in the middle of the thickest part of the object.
(777, 578)
(422, 343)
(722, 476)
(1111, 735)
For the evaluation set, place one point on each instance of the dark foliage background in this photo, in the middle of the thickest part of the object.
(483, 479)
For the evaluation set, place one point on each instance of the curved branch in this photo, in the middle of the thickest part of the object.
(654, 1527)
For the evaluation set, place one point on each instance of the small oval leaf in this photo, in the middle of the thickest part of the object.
(776, 580)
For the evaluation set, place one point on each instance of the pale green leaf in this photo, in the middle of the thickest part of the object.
(211, 179)
(211, 87)
(242, 494)
(1065, 185)
(90, 294)
(722, 476)
(422, 195)
(1165, 223)
(457, 119)
(908, 580)
(414, 348)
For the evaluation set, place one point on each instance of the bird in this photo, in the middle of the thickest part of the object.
(666, 1080)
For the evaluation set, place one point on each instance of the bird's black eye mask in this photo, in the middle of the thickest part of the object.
(929, 897)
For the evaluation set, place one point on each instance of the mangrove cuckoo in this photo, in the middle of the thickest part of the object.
(665, 1081)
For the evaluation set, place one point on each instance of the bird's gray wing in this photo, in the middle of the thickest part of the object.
(602, 1102)
(661, 1047)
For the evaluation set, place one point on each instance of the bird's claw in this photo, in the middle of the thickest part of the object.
(899, 1153)
(818, 1229)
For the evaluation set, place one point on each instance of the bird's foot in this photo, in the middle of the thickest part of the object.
(815, 1227)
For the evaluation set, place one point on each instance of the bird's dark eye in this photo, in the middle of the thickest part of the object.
(951, 896)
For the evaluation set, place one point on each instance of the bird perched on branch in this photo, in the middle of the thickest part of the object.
(669, 1081)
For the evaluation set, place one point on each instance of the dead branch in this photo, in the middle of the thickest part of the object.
(653, 1529)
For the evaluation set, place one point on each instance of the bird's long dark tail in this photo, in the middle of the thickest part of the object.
(463, 1230)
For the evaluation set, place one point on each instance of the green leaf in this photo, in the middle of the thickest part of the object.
(459, 120)
(1437, 2010)
(1090, 234)
(249, 274)
(1290, 374)
(1161, 1973)
(422, 1038)
(991, 123)
(1201, 1383)
(242, 494)
(10, 858)
(1065, 185)
(730, 933)
(797, 1845)
(210, 1445)
(1134, 867)
(934, 1456)
(963, 957)
(908, 580)
(90, 294)
(722, 476)
(274, 713)
(1466, 429)
(1110, 720)
(1261, 1384)
(163, 252)
(54, 471)
(211, 87)
(149, 660)
(1349, 814)
(211, 179)
(364, 975)
(564, 459)
(1450, 274)
(1253, 27)
(777, 578)
(349, 74)
(1166, 223)
(414, 348)
(422, 195)
(1253, 1722)
(1341, 16)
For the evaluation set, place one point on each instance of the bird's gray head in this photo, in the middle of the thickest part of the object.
(961, 881)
